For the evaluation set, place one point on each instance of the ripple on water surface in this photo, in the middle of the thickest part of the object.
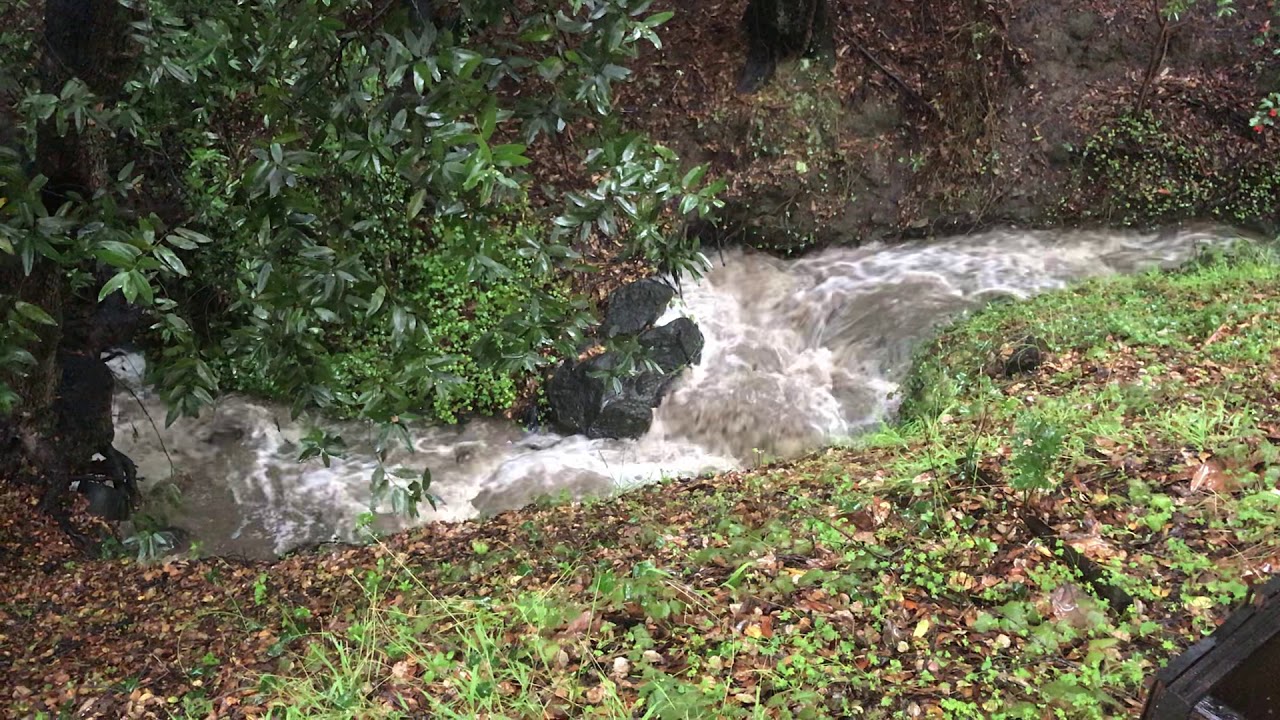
(797, 353)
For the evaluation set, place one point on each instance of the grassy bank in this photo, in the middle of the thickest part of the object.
(1137, 418)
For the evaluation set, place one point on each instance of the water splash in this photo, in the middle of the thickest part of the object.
(797, 353)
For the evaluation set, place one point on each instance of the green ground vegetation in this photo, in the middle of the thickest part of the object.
(1137, 171)
(892, 577)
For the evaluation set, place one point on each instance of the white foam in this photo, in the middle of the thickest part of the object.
(797, 353)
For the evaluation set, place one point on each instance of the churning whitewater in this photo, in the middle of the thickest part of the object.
(798, 353)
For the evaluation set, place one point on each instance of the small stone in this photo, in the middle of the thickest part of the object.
(621, 667)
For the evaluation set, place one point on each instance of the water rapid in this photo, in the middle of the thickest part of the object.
(798, 353)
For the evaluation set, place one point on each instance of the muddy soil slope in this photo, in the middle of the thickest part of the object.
(954, 114)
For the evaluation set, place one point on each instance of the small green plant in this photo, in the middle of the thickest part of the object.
(1135, 171)
(322, 444)
(1267, 113)
(150, 544)
(916, 161)
(196, 705)
(1036, 449)
(1201, 426)
(260, 589)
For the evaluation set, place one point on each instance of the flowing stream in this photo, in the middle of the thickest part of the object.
(798, 353)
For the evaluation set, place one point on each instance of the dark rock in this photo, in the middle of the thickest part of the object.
(636, 306)
(625, 416)
(647, 387)
(674, 345)
(583, 401)
(574, 395)
(1026, 356)
(106, 501)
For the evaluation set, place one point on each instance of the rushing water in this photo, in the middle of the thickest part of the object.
(797, 353)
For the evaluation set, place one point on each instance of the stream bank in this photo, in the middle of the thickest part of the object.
(798, 354)
(890, 578)
(945, 117)
(858, 580)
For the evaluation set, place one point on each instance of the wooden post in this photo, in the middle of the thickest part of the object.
(1230, 675)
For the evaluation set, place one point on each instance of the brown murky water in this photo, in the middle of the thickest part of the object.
(798, 353)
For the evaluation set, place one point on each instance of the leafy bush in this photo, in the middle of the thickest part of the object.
(1038, 446)
(462, 294)
(347, 216)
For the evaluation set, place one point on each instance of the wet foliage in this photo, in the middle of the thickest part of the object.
(899, 576)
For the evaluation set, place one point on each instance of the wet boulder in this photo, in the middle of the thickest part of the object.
(636, 306)
(674, 345)
(623, 416)
(1021, 357)
(585, 401)
(105, 501)
(671, 347)
(575, 396)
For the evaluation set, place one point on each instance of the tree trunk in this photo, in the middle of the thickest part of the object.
(779, 29)
(89, 40)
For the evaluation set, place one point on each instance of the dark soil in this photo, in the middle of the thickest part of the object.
(955, 114)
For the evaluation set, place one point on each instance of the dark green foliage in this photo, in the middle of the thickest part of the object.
(460, 279)
(1148, 173)
(463, 293)
(930, 389)
(329, 200)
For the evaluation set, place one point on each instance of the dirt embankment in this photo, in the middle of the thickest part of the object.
(953, 114)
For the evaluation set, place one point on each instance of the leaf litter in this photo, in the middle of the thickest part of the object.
(894, 577)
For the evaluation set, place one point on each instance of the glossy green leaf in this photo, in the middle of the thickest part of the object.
(34, 313)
